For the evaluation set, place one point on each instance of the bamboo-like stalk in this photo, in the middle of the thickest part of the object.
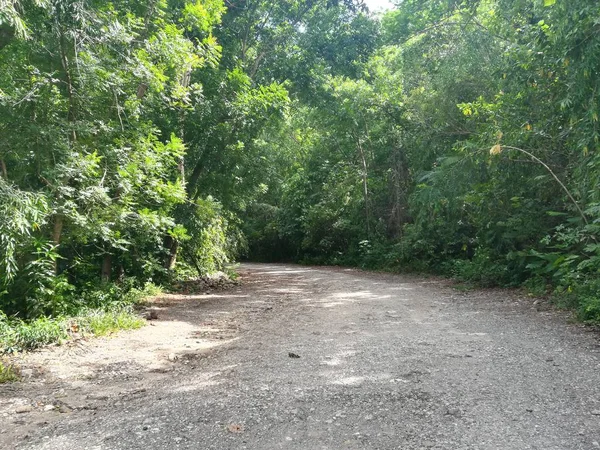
(497, 149)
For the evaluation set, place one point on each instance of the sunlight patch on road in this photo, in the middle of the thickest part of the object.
(349, 381)
(194, 387)
(281, 272)
(401, 288)
(332, 304)
(207, 296)
(332, 362)
(288, 291)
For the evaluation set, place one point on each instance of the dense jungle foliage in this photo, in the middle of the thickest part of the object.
(144, 141)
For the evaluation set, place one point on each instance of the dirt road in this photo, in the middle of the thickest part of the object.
(318, 358)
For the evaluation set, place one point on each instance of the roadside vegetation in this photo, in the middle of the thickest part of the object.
(111, 312)
(8, 373)
(146, 142)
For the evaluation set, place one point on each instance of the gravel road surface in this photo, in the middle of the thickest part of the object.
(321, 358)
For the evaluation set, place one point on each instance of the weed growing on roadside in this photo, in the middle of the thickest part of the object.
(102, 323)
(8, 373)
(17, 335)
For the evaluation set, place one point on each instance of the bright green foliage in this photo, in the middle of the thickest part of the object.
(96, 99)
(102, 323)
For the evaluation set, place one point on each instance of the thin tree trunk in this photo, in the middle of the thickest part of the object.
(56, 235)
(172, 246)
(170, 242)
(69, 80)
(106, 268)
(3, 167)
(365, 186)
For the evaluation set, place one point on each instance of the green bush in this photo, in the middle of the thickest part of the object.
(589, 309)
(481, 270)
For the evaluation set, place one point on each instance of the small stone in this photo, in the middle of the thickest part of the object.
(49, 407)
(596, 412)
(453, 412)
(24, 409)
(64, 409)
(27, 373)
(173, 357)
(151, 315)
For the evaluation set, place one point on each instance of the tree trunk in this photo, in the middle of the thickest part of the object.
(365, 187)
(172, 246)
(56, 235)
(399, 187)
(106, 268)
(69, 81)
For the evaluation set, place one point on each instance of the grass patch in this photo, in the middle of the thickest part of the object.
(109, 311)
(8, 373)
(102, 323)
(18, 335)
(464, 287)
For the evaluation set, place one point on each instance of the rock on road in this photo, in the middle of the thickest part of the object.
(329, 358)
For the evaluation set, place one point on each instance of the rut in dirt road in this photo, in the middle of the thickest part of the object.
(341, 359)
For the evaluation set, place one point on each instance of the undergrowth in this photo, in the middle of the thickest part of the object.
(18, 335)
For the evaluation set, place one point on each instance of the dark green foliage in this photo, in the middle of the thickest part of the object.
(466, 143)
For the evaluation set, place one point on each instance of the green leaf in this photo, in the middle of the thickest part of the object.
(549, 2)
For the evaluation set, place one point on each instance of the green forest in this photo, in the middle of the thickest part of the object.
(144, 142)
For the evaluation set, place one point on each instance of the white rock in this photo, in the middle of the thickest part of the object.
(24, 409)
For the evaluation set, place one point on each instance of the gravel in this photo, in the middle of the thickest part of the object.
(329, 358)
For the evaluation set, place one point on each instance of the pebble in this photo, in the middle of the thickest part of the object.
(596, 412)
(27, 373)
(173, 357)
(24, 409)
(49, 407)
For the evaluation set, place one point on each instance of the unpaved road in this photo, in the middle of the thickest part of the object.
(386, 362)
